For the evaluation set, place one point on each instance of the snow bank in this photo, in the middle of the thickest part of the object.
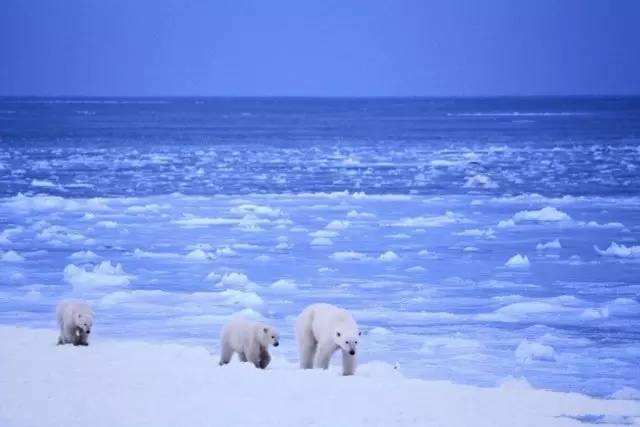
(127, 383)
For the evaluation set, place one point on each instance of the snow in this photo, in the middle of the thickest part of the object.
(64, 385)
(518, 261)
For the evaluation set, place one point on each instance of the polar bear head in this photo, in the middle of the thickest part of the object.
(268, 335)
(347, 339)
(84, 322)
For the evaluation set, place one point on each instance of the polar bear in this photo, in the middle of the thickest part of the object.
(321, 329)
(75, 319)
(249, 339)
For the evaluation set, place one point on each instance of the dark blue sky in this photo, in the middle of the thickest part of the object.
(327, 48)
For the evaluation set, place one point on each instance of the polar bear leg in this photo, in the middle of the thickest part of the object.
(307, 353)
(83, 338)
(323, 355)
(307, 344)
(225, 353)
(243, 357)
(348, 363)
(253, 354)
(265, 358)
(61, 337)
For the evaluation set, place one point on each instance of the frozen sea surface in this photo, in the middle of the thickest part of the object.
(473, 239)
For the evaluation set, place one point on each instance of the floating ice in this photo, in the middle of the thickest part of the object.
(284, 285)
(349, 256)
(102, 275)
(388, 256)
(486, 233)
(547, 214)
(107, 224)
(619, 250)
(83, 256)
(234, 280)
(336, 225)
(528, 351)
(258, 210)
(11, 256)
(518, 261)
(139, 253)
(198, 255)
(480, 181)
(42, 183)
(321, 241)
(428, 222)
(553, 244)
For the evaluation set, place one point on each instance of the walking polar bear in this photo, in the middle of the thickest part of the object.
(250, 340)
(321, 329)
(75, 319)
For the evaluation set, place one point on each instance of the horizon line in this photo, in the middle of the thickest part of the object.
(585, 95)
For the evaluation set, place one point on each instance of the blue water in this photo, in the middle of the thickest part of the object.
(404, 210)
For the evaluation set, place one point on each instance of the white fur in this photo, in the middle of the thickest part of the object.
(249, 339)
(75, 319)
(321, 329)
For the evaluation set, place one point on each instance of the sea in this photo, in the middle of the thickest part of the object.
(473, 239)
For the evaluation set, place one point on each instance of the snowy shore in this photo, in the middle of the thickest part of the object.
(133, 383)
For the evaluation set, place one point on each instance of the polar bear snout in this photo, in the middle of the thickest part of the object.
(352, 352)
(276, 343)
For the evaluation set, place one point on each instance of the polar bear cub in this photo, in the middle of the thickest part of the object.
(321, 329)
(249, 339)
(75, 319)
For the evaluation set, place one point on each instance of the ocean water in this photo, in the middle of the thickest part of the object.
(473, 239)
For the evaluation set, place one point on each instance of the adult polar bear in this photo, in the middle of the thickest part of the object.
(75, 319)
(321, 329)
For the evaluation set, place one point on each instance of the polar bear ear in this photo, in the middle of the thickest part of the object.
(337, 334)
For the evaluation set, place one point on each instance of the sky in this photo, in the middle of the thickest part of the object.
(319, 48)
